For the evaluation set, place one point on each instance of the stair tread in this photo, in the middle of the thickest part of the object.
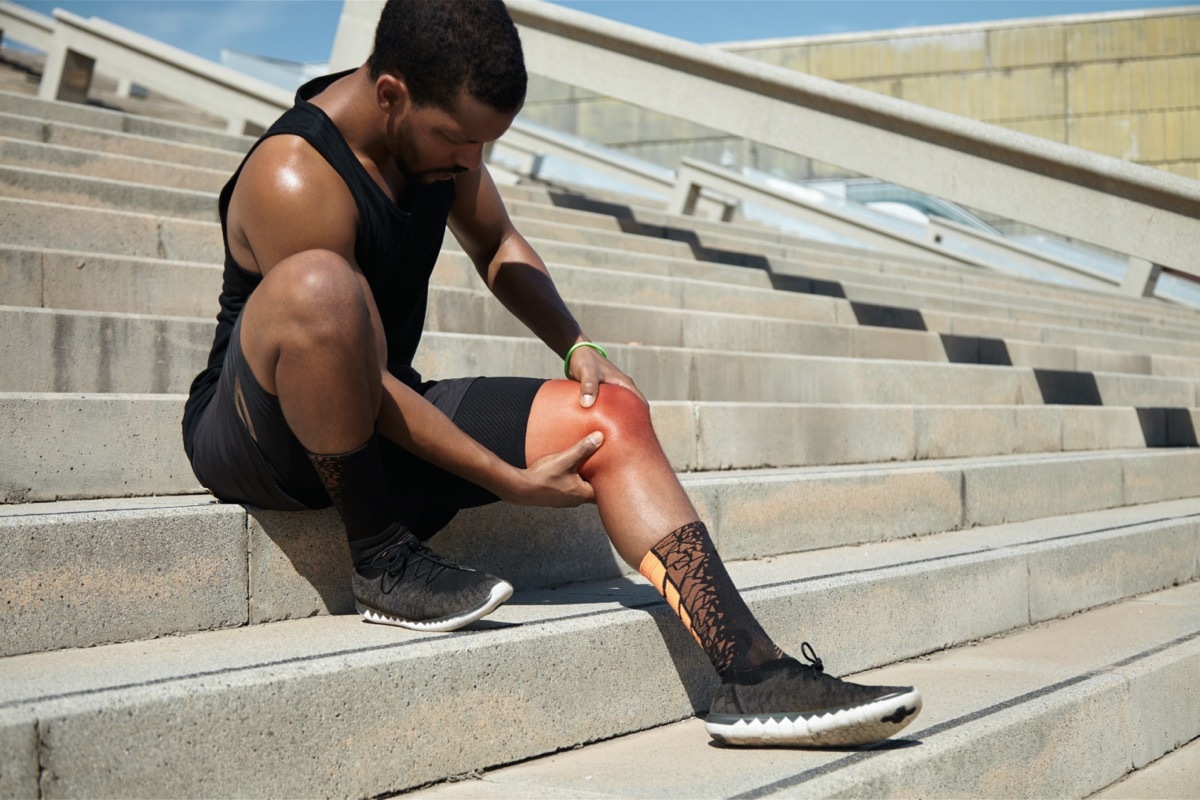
(329, 640)
(966, 690)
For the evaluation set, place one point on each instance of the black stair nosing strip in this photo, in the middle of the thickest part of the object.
(793, 781)
(656, 603)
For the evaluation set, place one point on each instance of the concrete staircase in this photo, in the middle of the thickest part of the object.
(979, 484)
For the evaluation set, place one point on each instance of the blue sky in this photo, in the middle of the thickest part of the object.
(303, 30)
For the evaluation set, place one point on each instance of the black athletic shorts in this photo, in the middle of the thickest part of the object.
(246, 453)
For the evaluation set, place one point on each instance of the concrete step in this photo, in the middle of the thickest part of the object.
(99, 231)
(109, 232)
(80, 162)
(28, 178)
(1172, 777)
(105, 352)
(121, 195)
(34, 180)
(73, 446)
(742, 238)
(104, 193)
(101, 140)
(947, 339)
(159, 107)
(92, 117)
(227, 567)
(840, 280)
(41, 177)
(18, 83)
(724, 237)
(78, 281)
(621, 320)
(1051, 711)
(1017, 302)
(235, 711)
(1014, 308)
(31, 224)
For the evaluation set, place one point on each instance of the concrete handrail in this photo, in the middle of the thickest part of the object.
(831, 214)
(78, 43)
(25, 26)
(537, 142)
(943, 231)
(1115, 204)
(939, 239)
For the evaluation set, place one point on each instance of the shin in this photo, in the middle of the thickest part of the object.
(649, 518)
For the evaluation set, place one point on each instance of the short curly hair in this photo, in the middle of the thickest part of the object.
(440, 46)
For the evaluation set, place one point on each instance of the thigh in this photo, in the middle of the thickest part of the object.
(494, 412)
(245, 452)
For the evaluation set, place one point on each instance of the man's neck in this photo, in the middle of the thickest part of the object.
(350, 102)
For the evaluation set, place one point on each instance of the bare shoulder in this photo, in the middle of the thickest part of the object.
(289, 199)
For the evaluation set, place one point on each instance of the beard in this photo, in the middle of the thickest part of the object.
(408, 158)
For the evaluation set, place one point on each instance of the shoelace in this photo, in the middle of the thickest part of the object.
(395, 562)
(810, 655)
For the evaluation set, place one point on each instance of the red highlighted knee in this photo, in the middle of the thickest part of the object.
(557, 421)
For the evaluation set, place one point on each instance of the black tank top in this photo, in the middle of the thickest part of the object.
(395, 249)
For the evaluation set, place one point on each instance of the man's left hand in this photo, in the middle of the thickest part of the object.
(592, 369)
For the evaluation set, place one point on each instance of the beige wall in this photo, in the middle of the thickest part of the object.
(1125, 84)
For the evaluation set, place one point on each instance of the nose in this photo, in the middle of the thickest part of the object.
(470, 156)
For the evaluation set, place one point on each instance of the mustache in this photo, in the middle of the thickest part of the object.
(424, 174)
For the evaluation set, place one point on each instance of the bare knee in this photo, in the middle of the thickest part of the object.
(311, 308)
(557, 421)
(314, 298)
(621, 412)
(624, 419)
(320, 286)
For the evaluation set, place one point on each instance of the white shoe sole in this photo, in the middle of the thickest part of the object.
(499, 594)
(845, 727)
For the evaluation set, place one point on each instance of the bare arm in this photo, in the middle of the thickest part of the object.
(517, 276)
(416, 425)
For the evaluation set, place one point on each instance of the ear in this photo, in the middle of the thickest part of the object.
(391, 93)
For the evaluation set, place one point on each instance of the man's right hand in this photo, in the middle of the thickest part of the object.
(554, 481)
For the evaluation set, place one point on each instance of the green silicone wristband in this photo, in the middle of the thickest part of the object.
(574, 347)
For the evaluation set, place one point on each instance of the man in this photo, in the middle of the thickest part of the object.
(332, 226)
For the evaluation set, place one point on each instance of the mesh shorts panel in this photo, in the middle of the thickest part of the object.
(495, 413)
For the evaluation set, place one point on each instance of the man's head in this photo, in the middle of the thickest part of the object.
(441, 47)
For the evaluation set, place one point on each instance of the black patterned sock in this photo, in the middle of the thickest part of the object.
(355, 484)
(685, 568)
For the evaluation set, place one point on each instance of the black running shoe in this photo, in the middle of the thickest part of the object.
(785, 702)
(409, 585)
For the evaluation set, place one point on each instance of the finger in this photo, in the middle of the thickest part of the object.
(587, 447)
(589, 383)
(588, 495)
(569, 460)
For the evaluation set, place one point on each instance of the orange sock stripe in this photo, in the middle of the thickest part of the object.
(653, 570)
